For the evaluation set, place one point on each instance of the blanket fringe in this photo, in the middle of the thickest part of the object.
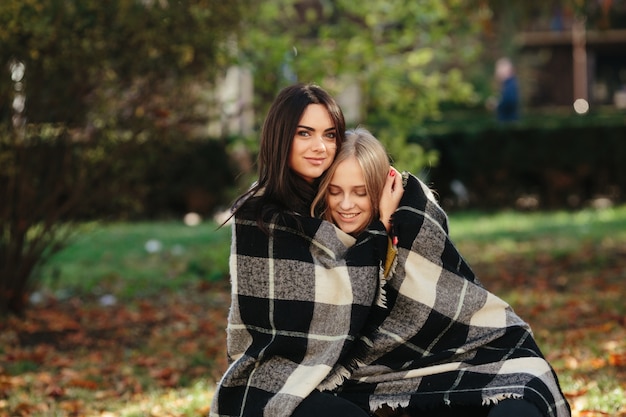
(395, 404)
(381, 297)
(340, 373)
(334, 379)
(495, 399)
(387, 268)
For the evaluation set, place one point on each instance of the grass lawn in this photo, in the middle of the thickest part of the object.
(138, 259)
(129, 319)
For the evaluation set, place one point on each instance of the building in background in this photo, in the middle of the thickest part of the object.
(566, 57)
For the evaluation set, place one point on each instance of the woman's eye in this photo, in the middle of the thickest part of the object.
(304, 133)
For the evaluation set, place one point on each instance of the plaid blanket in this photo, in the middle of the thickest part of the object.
(300, 298)
(445, 339)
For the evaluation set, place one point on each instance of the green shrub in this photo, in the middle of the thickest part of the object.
(554, 162)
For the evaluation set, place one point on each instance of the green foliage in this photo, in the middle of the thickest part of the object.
(405, 58)
(74, 51)
(597, 14)
(545, 160)
(48, 181)
(101, 76)
(39, 185)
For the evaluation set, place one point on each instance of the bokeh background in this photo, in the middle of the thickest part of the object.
(127, 128)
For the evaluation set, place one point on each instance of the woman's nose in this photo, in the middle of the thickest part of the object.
(346, 203)
(318, 144)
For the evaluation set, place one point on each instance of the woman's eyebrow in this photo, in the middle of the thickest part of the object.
(312, 129)
(331, 185)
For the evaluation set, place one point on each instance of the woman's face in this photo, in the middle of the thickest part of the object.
(315, 143)
(347, 198)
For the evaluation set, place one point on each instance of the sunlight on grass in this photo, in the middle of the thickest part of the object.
(135, 259)
(186, 402)
(488, 237)
(603, 396)
(593, 223)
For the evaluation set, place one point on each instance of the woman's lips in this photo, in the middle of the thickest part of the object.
(316, 161)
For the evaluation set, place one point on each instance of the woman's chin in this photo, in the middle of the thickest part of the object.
(349, 227)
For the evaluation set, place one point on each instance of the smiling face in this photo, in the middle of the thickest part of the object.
(347, 199)
(315, 143)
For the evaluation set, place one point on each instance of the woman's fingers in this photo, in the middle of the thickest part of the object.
(392, 193)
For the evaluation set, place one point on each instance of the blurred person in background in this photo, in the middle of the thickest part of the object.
(507, 107)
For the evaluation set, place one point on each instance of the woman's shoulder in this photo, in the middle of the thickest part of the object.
(413, 183)
(419, 198)
(272, 215)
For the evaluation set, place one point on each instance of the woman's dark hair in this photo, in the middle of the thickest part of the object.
(281, 188)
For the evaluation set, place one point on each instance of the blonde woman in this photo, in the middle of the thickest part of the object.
(360, 186)
(444, 345)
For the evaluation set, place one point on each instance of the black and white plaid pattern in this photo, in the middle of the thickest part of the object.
(445, 339)
(300, 298)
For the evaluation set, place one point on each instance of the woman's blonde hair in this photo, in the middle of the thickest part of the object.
(374, 162)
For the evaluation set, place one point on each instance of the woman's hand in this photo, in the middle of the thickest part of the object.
(392, 193)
